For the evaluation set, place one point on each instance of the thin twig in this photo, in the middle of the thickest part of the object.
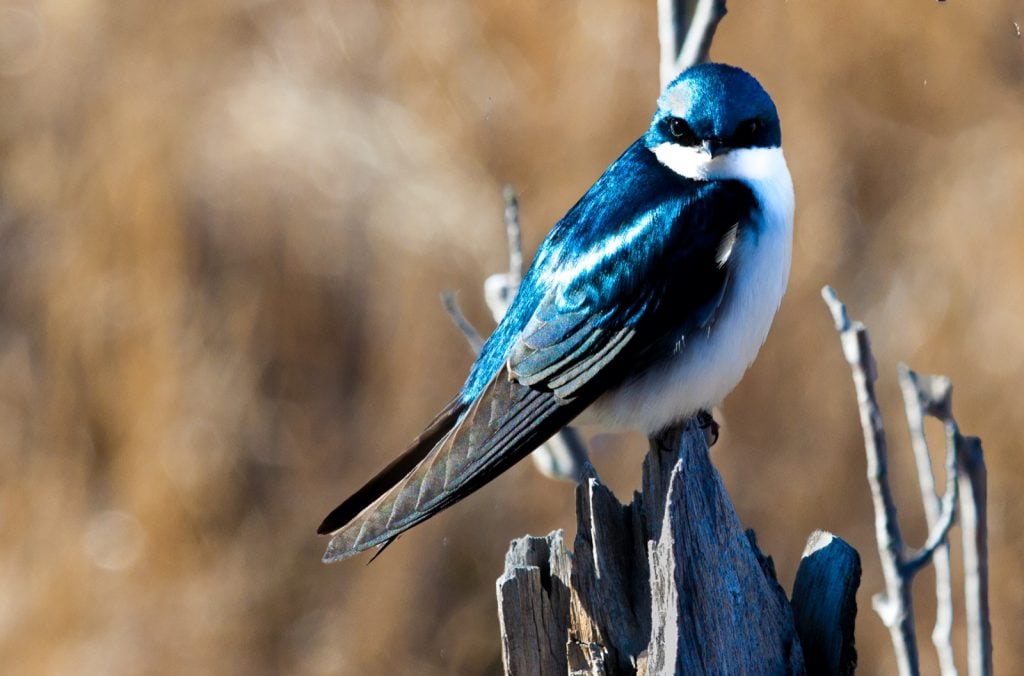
(685, 31)
(500, 289)
(451, 305)
(974, 523)
(939, 531)
(922, 394)
(698, 39)
(515, 241)
(564, 455)
(966, 483)
(671, 33)
(894, 606)
(932, 395)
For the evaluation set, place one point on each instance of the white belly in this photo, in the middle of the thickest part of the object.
(709, 365)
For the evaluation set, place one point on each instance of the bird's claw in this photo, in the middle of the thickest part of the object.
(708, 426)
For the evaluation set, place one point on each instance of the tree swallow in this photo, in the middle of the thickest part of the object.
(644, 305)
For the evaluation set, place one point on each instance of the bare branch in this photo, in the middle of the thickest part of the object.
(939, 531)
(685, 31)
(671, 33)
(515, 240)
(965, 482)
(973, 521)
(706, 17)
(451, 306)
(931, 395)
(500, 289)
(921, 394)
(563, 456)
(894, 606)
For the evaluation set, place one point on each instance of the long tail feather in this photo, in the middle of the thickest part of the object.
(384, 480)
(501, 427)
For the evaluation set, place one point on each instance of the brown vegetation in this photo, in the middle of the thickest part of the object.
(224, 227)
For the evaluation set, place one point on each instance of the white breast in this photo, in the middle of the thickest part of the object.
(709, 365)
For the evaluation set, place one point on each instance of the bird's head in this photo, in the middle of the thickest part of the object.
(711, 122)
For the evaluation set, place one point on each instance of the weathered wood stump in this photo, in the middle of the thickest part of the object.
(671, 583)
(825, 604)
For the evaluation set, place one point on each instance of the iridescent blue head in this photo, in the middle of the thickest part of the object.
(715, 108)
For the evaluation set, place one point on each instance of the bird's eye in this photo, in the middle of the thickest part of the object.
(747, 132)
(681, 132)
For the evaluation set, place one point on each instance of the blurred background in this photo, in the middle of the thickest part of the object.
(224, 230)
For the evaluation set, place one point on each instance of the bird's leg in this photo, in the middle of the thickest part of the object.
(707, 424)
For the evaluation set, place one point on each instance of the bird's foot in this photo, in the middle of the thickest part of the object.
(708, 426)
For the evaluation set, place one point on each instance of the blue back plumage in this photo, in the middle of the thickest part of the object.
(596, 218)
(638, 249)
(638, 226)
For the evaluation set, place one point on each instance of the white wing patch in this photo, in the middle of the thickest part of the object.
(726, 245)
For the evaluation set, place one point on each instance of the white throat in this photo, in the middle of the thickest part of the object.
(710, 363)
(751, 165)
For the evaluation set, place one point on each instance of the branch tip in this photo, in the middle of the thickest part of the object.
(472, 336)
(837, 308)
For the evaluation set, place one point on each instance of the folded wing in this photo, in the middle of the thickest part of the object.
(597, 318)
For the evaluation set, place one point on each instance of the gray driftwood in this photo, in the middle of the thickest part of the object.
(533, 600)
(670, 583)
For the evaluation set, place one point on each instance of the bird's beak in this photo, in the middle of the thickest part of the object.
(713, 147)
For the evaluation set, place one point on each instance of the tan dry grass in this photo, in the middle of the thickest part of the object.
(223, 230)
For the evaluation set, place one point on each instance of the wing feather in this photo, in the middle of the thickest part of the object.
(494, 433)
(618, 284)
(385, 479)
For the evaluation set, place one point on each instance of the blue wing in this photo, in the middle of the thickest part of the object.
(628, 272)
(626, 275)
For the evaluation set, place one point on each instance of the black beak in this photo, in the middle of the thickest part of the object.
(713, 147)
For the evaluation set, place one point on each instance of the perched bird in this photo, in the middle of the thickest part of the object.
(645, 304)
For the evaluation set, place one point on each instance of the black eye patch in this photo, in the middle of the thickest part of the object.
(747, 133)
(681, 133)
